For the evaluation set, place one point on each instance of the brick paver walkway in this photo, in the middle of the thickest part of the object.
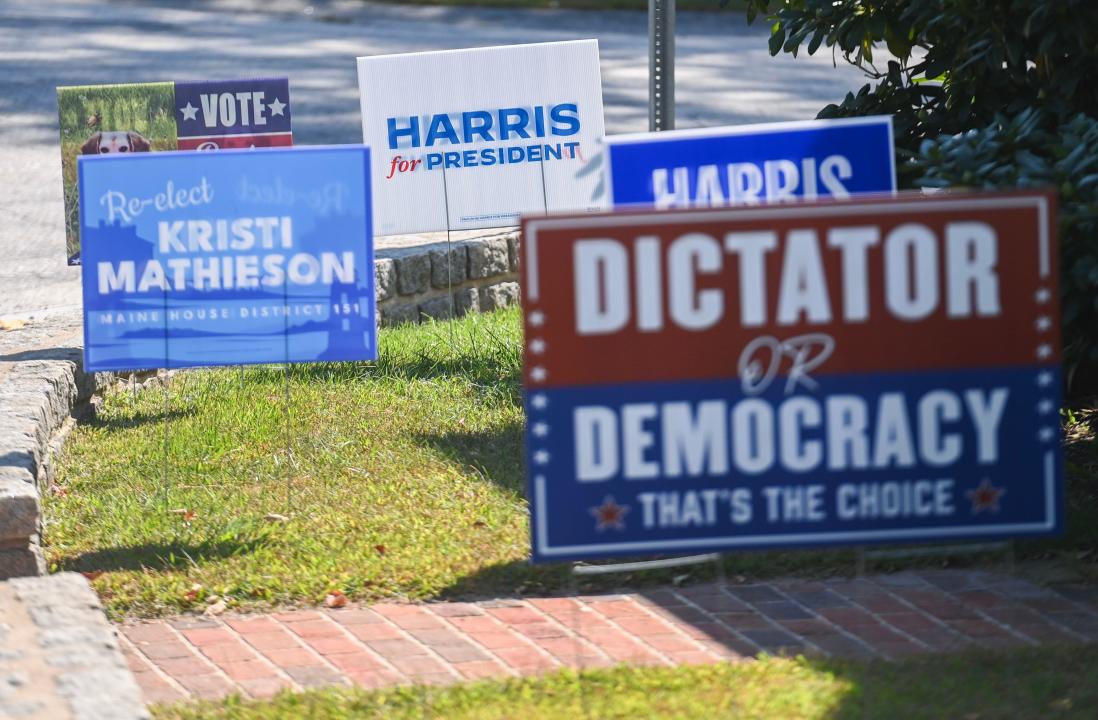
(888, 617)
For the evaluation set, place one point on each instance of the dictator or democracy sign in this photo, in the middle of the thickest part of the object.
(466, 139)
(239, 256)
(881, 370)
(752, 164)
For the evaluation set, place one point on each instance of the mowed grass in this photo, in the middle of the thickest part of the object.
(396, 478)
(1047, 683)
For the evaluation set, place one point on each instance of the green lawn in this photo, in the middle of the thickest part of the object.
(1060, 683)
(403, 479)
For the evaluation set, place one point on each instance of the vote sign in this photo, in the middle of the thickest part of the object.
(866, 371)
(212, 115)
(751, 164)
(240, 256)
(467, 139)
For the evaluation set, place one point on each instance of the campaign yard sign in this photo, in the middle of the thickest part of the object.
(233, 257)
(467, 139)
(866, 371)
(751, 164)
(145, 117)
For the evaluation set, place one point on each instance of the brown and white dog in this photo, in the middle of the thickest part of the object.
(103, 143)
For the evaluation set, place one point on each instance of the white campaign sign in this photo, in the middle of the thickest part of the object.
(465, 139)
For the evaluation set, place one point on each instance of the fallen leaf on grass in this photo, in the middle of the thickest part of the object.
(480, 524)
(92, 574)
(335, 599)
(12, 324)
(192, 594)
(380, 549)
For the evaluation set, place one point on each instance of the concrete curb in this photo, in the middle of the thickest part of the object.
(59, 656)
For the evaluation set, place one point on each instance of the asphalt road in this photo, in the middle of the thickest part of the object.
(724, 76)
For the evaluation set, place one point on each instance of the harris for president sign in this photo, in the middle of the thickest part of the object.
(467, 139)
(844, 372)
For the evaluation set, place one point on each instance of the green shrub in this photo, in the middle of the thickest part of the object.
(983, 93)
(1019, 152)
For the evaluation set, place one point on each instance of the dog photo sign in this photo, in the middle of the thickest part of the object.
(144, 117)
(467, 139)
(226, 258)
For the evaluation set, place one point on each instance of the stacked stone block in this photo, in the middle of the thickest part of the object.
(444, 280)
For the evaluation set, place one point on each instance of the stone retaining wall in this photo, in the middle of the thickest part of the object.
(441, 280)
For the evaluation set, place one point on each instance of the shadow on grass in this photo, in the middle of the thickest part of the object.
(1018, 683)
(494, 455)
(141, 419)
(157, 556)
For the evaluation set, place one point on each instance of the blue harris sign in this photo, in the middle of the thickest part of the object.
(235, 257)
(751, 164)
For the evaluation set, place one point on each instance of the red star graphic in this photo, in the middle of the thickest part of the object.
(985, 497)
(609, 514)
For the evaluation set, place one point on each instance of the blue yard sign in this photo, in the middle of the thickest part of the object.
(752, 164)
(235, 257)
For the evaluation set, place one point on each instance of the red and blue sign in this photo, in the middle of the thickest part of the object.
(233, 114)
(226, 258)
(873, 371)
(752, 164)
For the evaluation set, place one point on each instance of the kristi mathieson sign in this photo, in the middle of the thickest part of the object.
(222, 258)
(848, 372)
(220, 253)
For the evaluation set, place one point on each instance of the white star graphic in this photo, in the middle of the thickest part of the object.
(1044, 407)
(537, 346)
(277, 107)
(537, 318)
(1046, 434)
(539, 401)
(189, 111)
(1043, 351)
(541, 457)
(1043, 323)
(1042, 295)
(540, 429)
(1044, 378)
(538, 374)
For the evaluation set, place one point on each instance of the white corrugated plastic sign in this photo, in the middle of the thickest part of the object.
(466, 139)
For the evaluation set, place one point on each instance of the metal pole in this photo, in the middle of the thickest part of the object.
(661, 65)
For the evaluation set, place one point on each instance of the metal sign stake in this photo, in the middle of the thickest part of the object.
(661, 65)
